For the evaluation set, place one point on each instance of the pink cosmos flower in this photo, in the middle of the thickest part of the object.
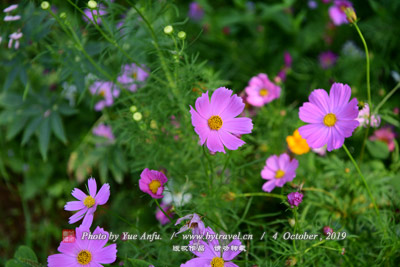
(152, 182)
(261, 90)
(211, 256)
(215, 122)
(332, 117)
(14, 37)
(132, 75)
(104, 131)
(337, 11)
(196, 12)
(84, 251)
(278, 170)
(160, 216)
(363, 117)
(107, 90)
(97, 14)
(385, 135)
(327, 59)
(87, 204)
(295, 198)
(195, 223)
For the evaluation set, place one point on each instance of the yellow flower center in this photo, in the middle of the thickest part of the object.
(84, 257)
(102, 93)
(217, 262)
(134, 75)
(89, 201)
(215, 122)
(279, 174)
(263, 92)
(154, 185)
(330, 119)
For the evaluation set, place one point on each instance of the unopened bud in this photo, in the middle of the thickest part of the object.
(182, 35)
(45, 5)
(351, 14)
(133, 109)
(168, 29)
(137, 116)
(92, 4)
(63, 15)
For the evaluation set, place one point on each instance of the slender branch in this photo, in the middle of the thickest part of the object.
(166, 214)
(386, 98)
(260, 194)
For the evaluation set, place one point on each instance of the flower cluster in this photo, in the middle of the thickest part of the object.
(17, 35)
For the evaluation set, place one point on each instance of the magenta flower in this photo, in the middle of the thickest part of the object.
(196, 12)
(332, 117)
(363, 117)
(337, 11)
(160, 216)
(104, 131)
(97, 14)
(261, 90)
(87, 204)
(327, 59)
(152, 182)
(385, 135)
(132, 75)
(211, 256)
(327, 230)
(215, 122)
(106, 90)
(295, 198)
(84, 251)
(195, 223)
(288, 59)
(278, 170)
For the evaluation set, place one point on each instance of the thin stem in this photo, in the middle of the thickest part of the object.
(386, 98)
(259, 194)
(363, 179)
(295, 227)
(166, 214)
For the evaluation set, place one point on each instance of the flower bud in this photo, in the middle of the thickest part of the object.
(327, 230)
(137, 116)
(295, 198)
(292, 222)
(92, 4)
(63, 15)
(351, 14)
(45, 5)
(168, 29)
(182, 35)
(133, 109)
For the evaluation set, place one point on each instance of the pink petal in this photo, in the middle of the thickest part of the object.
(69, 249)
(208, 252)
(203, 105)
(316, 134)
(230, 264)
(201, 126)
(337, 16)
(311, 113)
(273, 162)
(96, 245)
(348, 111)
(92, 187)
(267, 173)
(61, 260)
(230, 255)
(320, 98)
(214, 144)
(74, 205)
(197, 262)
(256, 101)
(220, 100)
(336, 140)
(88, 219)
(339, 94)
(230, 141)
(346, 128)
(238, 125)
(100, 105)
(103, 195)
(106, 255)
(77, 216)
(284, 160)
(233, 109)
(269, 186)
(78, 194)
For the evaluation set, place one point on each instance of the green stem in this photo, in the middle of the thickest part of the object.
(257, 194)
(158, 204)
(386, 98)
(363, 179)
(295, 227)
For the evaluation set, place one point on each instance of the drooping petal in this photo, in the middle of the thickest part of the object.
(203, 106)
(229, 254)
(269, 186)
(74, 205)
(320, 98)
(103, 195)
(92, 187)
(88, 219)
(238, 125)
(230, 141)
(214, 143)
(220, 100)
(78, 194)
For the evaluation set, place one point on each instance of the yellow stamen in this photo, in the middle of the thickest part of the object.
(263, 92)
(89, 201)
(134, 75)
(217, 262)
(154, 185)
(84, 257)
(330, 119)
(102, 93)
(215, 122)
(279, 174)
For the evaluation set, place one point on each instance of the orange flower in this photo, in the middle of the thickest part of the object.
(297, 144)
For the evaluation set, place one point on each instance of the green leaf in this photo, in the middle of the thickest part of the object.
(31, 128)
(378, 149)
(44, 137)
(391, 120)
(16, 126)
(57, 126)
(137, 263)
(23, 257)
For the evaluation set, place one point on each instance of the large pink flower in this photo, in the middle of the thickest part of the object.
(152, 182)
(261, 90)
(214, 121)
(84, 251)
(332, 117)
(87, 204)
(278, 170)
